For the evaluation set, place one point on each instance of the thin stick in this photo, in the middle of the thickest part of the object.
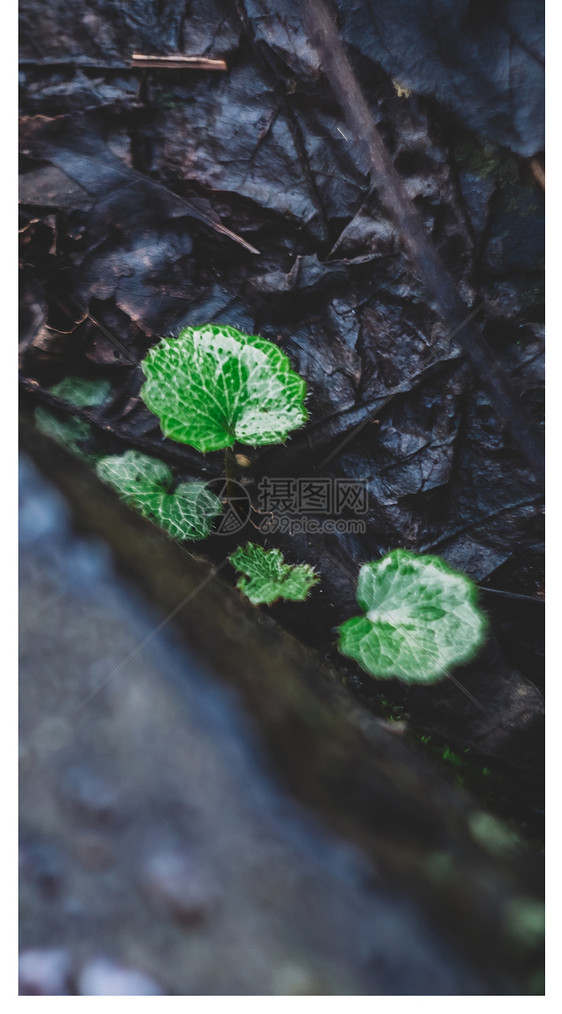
(177, 62)
(230, 475)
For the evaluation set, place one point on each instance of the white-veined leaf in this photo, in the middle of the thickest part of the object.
(186, 512)
(212, 386)
(420, 618)
(266, 576)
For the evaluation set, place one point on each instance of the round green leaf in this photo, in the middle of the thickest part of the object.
(185, 513)
(212, 386)
(420, 618)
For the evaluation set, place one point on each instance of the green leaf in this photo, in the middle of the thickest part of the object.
(69, 433)
(268, 577)
(82, 393)
(212, 385)
(421, 618)
(146, 484)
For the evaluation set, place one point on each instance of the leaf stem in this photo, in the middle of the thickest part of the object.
(230, 473)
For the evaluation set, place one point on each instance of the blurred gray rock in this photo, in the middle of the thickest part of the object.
(94, 851)
(89, 795)
(180, 888)
(103, 977)
(43, 865)
(44, 972)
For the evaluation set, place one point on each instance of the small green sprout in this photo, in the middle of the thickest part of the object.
(69, 433)
(524, 920)
(186, 512)
(420, 618)
(81, 392)
(495, 836)
(267, 576)
(212, 386)
(72, 433)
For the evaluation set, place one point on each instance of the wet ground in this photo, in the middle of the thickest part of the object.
(159, 854)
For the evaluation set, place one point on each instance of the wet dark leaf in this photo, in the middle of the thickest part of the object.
(130, 201)
(483, 61)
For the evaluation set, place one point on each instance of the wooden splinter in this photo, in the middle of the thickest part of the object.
(177, 61)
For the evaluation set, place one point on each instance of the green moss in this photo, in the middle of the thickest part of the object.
(464, 769)
(392, 712)
(486, 161)
(168, 101)
(453, 758)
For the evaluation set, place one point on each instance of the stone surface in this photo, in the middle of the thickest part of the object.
(178, 887)
(89, 796)
(94, 851)
(158, 794)
(102, 977)
(44, 972)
